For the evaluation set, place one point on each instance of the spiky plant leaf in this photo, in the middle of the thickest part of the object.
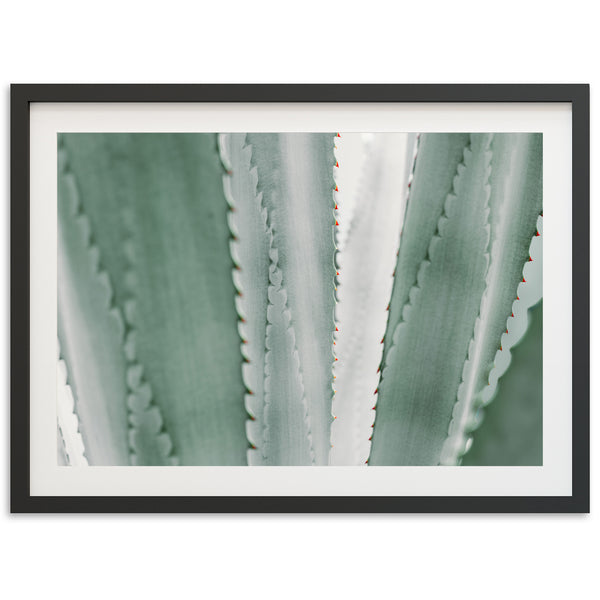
(512, 191)
(187, 339)
(367, 262)
(439, 155)
(295, 181)
(516, 203)
(90, 329)
(511, 432)
(169, 242)
(428, 346)
(250, 252)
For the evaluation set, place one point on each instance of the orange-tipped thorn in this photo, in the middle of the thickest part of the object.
(336, 188)
(524, 280)
(337, 164)
(338, 135)
(376, 390)
(337, 224)
(537, 233)
(336, 329)
(530, 259)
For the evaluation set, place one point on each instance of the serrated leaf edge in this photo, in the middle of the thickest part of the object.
(143, 412)
(425, 264)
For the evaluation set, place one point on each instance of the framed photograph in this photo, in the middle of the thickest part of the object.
(300, 298)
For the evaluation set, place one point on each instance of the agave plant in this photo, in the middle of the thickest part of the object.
(299, 299)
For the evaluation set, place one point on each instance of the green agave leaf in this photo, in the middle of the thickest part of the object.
(295, 183)
(438, 157)
(250, 252)
(511, 433)
(367, 262)
(427, 347)
(90, 330)
(158, 205)
(288, 437)
(187, 343)
(515, 203)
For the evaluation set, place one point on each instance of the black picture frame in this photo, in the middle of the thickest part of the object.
(22, 95)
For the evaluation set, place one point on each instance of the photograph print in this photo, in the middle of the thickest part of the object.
(298, 299)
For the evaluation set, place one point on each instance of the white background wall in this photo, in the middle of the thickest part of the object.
(404, 556)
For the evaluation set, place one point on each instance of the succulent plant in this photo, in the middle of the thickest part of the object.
(298, 298)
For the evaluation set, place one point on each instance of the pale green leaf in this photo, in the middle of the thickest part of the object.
(427, 348)
(295, 180)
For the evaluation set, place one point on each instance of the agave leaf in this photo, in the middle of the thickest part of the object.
(287, 426)
(295, 178)
(367, 262)
(250, 252)
(515, 202)
(427, 348)
(511, 433)
(437, 161)
(90, 330)
(158, 204)
(104, 165)
(187, 343)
